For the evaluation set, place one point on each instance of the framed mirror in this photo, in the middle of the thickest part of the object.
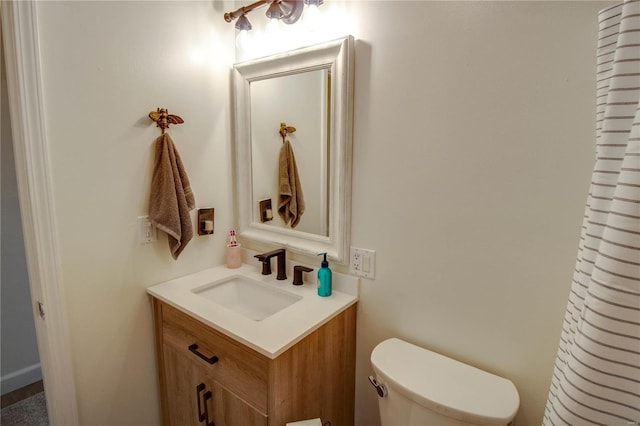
(293, 122)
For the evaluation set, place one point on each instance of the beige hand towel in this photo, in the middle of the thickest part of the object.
(291, 199)
(171, 198)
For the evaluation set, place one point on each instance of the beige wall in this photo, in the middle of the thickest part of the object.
(105, 66)
(474, 142)
(473, 148)
(473, 145)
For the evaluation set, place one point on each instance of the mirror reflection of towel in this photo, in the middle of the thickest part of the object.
(171, 198)
(291, 199)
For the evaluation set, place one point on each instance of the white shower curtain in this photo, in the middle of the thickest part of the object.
(596, 379)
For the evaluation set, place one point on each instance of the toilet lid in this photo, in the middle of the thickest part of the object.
(444, 385)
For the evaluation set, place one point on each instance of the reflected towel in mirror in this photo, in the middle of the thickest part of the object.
(171, 197)
(290, 199)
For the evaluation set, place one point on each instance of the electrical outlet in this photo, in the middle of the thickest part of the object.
(147, 233)
(362, 262)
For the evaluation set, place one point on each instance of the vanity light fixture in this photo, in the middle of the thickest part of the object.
(274, 11)
(243, 24)
(287, 11)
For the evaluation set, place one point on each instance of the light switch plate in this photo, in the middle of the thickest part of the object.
(362, 262)
(147, 233)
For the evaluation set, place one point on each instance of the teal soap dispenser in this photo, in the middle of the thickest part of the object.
(324, 278)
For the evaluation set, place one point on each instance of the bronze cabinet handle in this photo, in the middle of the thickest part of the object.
(211, 360)
(207, 396)
(204, 416)
(201, 415)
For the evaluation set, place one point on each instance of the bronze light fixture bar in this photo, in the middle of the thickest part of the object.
(288, 11)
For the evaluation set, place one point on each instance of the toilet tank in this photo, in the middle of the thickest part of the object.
(427, 388)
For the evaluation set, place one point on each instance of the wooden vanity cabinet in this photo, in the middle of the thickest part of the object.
(196, 398)
(208, 378)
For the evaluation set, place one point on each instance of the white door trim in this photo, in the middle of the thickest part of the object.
(22, 55)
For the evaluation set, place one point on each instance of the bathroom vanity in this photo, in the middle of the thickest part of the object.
(219, 366)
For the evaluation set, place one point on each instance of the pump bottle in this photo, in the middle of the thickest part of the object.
(324, 277)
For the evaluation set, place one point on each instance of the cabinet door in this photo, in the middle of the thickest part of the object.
(189, 391)
(239, 368)
(230, 410)
(195, 399)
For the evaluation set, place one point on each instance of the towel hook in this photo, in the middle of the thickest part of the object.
(285, 130)
(162, 118)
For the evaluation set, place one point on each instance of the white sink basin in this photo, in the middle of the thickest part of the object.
(267, 315)
(247, 297)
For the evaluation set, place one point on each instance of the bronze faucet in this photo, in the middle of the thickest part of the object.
(265, 258)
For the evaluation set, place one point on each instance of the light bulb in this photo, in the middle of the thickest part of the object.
(243, 39)
(272, 27)
(273, 39)
(312, 17)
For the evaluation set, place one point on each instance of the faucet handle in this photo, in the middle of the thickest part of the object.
(297, 274)
(266, 263)
(265, 258)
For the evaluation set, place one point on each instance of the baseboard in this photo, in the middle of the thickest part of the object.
(20, 378)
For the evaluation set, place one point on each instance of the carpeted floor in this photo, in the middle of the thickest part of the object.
(28, 412)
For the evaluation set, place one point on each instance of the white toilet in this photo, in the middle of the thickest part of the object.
(420, 387)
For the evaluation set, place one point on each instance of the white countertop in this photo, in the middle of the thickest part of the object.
(275, 334)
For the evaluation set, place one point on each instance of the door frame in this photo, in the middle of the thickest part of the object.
(33, 172)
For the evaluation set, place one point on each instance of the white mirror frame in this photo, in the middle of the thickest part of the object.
(338, 56)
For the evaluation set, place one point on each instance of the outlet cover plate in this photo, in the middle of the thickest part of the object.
(362, 262)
